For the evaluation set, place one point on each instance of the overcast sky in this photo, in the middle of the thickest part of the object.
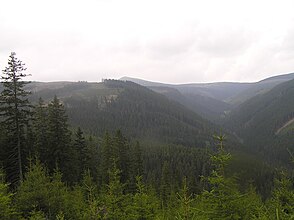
(169, 41)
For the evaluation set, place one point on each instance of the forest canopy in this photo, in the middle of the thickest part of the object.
(53, 169)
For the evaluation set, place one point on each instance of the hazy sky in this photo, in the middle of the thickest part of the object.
(168, 41)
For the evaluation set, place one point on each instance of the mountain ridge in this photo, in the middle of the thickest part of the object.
(136, 110)
(263, 121)
(287, 76)
(213, 100)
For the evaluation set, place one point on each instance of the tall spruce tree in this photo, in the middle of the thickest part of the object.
(15, 112)
(2, 144)
(59, 141)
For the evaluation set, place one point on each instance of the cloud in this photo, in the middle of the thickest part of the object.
(286, 49)
(171, 41)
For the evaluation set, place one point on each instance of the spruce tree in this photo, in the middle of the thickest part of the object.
(34, 192)
(223, 200)
(165, 184)
(106, 158)
(83, 153)
(2, 144)
(7, 211)
(15, 112)
(185, 211)
(138, 161)
(136, 166)
(121, 148)
(60, 150)
(115, 201)
(144, 204)
(282, 201)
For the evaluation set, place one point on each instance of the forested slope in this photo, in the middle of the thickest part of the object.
(213, 100)
(258, 120)
(259, 88)
(207, 107)
(179, 168)
(136, 110)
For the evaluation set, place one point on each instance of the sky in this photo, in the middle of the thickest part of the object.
(172, 41)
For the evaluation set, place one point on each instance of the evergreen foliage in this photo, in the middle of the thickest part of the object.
(40, 127)
(83, 152)
(77, 176)
(259, 123)
(114, 200)
(185, 210)
(144, 204)
(282, 202)
(223, 200)
(59, 138)
(45, 196)
(15, 113)
(7, 210)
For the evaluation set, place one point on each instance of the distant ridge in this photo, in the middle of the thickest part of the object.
(218, 90)
(144, 82)
(283, 77)
(260, 87)
(233, 93)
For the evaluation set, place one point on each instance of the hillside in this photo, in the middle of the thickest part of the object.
(213, 100)
(264, 122)
(230, 92)
(205, 106)
(205, 99)
(260, 87)
(219, 90)
(137, 111)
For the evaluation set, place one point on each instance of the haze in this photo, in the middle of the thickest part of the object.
(168, 41)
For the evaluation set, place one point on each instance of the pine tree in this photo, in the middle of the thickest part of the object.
(15, 111)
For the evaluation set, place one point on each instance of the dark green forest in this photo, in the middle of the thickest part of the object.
(130, 153)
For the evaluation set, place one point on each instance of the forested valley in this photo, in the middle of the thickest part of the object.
(142, 156)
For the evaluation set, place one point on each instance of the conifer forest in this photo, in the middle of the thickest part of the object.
(122, 150)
